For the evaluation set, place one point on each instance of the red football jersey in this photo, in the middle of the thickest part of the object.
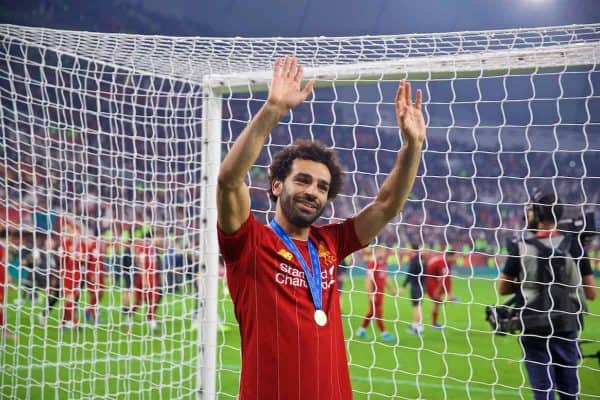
(72, 252)
(438, 267)
(145, 262)
(285, 354)
(2, 271)
(93, 256)
(378, 269)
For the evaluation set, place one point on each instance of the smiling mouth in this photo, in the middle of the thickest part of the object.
(311, 207)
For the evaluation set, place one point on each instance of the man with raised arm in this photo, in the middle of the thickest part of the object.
(282, 276)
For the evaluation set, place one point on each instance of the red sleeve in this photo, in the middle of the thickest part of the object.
(233, 245)
(345, 237)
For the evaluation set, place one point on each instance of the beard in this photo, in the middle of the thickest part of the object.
(297, 216)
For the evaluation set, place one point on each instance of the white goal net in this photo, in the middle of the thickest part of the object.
(110, 148)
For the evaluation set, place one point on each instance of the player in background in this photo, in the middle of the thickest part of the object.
(376, 283)
(94, 279)
(38, 274)
(415, 277)
(50, 264)
(196, 320)
(146, 282)
(22, 264)
(72, 256)
(4, 282)
(127, 272)
(439, 282)
(342, 275)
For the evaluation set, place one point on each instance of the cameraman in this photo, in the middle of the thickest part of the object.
(550, 274)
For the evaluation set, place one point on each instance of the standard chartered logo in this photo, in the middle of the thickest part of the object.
(292, 276)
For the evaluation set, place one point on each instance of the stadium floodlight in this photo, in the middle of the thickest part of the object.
(123, 135)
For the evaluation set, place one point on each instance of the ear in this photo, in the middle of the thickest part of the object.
(276, 187)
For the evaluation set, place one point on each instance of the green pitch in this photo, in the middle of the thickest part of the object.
(463, 361)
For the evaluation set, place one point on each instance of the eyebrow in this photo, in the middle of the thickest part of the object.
(304, 175)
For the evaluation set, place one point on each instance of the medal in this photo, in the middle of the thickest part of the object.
(320, 317)
(313, 277)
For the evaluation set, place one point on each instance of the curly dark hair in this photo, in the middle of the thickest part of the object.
(306, 150)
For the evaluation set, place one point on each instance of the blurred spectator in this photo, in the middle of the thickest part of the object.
(145, 169)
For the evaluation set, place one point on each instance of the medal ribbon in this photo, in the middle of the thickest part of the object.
(313, 278)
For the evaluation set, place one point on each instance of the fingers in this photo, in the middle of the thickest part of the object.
(408, 93)
(277, 67)
(289, 65)
(281, 67)
(404, 96)
(399, 92)
(308, 88)
(299, 73)
(399, 101)
(419, 99)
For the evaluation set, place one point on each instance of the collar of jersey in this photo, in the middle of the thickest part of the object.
(544, 234)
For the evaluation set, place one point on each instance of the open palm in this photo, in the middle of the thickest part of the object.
(285, 91)
(409, 114)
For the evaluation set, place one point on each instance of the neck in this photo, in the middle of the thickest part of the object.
(293, 231)
(545, 228)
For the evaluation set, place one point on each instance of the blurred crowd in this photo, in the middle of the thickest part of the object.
(113, 186)
(118, 152)
(110, 16)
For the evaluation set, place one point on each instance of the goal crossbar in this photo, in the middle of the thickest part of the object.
(438, 67)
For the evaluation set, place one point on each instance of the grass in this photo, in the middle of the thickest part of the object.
(463, 361)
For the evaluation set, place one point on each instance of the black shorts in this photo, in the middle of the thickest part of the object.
(53, 279)
(40, 278)
(128, 277)
(416, 294)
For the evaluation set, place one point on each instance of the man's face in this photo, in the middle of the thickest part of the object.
(531, 220)
(303, 194)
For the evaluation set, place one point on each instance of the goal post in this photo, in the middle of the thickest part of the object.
(490, 63)
(207, 340)
(123, 135)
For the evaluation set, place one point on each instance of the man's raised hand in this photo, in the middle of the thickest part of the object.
(285, 92)
(409, 114)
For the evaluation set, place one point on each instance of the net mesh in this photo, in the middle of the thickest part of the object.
(104, 132)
